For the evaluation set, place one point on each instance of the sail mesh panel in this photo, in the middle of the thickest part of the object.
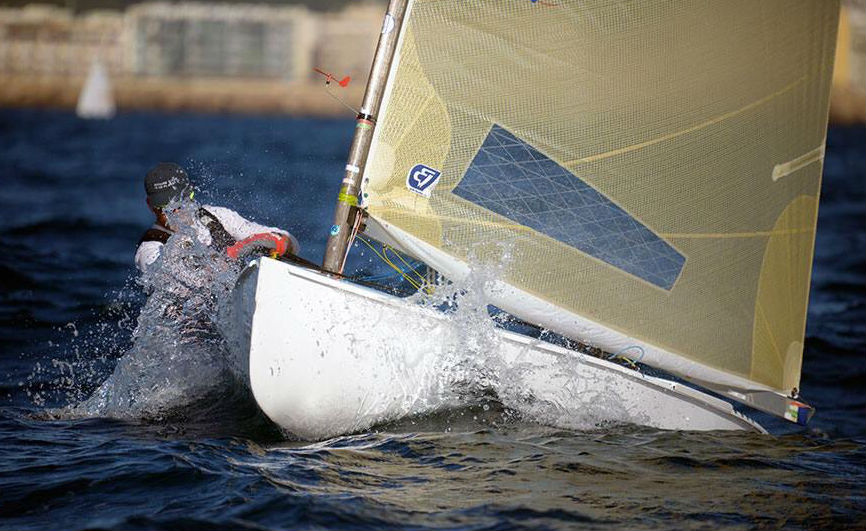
(513, 179)
(702, 123)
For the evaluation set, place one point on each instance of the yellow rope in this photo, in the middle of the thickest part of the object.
(383, 256)
(386, 248)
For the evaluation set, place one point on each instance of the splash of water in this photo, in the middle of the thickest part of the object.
(85, 352)
(554, 392)
(474, 373)
(177, 354)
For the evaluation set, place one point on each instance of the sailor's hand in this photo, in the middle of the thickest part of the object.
(277, 244)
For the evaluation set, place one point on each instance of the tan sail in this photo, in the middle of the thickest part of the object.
(648, 170)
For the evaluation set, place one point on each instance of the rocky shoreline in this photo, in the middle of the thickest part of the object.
(256, 96)
(247, 96)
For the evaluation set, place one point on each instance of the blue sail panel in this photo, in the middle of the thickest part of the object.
(513, 179)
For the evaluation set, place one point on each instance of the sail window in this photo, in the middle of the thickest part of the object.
(513, 179)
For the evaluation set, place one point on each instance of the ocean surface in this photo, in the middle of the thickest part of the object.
(186, 448)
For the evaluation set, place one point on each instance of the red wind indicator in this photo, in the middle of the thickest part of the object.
(330, 77)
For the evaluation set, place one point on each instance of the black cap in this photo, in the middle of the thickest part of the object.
(166, 182)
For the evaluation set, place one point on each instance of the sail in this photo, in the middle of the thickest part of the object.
(640, 174)
(96, 99)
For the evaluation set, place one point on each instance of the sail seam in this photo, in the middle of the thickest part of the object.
(755, 234)
(702, 125)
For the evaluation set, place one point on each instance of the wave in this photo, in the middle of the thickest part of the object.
(62, 227)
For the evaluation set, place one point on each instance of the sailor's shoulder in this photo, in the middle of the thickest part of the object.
(155, 234)
(219, 212)
(229, 218)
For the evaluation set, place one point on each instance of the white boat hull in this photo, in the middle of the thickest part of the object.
(325, 357)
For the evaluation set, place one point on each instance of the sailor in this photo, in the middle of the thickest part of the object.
(222, 229)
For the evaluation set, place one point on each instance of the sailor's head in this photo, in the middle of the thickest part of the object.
(166, 183)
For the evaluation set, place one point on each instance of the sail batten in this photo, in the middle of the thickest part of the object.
(648, 176)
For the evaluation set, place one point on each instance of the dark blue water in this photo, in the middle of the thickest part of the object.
(72, 206)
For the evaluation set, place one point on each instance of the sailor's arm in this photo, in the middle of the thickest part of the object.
(241, 228)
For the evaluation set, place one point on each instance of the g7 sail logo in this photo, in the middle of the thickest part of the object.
(422, 179)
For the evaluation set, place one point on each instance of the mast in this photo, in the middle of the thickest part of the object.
(347, 201)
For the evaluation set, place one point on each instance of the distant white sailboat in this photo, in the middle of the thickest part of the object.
(96, 99)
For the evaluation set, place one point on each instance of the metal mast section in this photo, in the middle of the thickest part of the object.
(347, 201)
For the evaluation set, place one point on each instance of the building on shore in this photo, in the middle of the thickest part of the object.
(251, 57)
(220, 40)
(190, 55)
(848, 103)
(49, 41)
(346, 41)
